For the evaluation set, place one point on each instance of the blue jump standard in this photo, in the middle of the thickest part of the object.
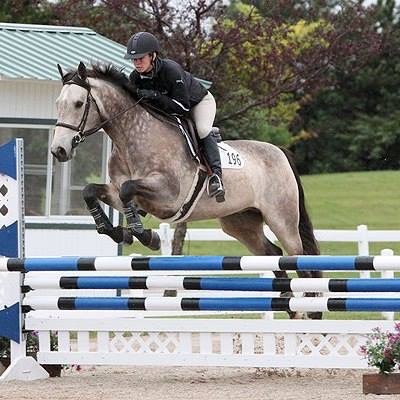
(212, 263)
(225, 304)
(239, 284)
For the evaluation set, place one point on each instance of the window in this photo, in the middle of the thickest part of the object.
(35, 156)
(53, 188)
(71, 177)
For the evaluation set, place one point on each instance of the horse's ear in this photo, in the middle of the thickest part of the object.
(61, 72)
(82, 71)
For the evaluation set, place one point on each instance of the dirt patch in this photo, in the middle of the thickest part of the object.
(155, 383)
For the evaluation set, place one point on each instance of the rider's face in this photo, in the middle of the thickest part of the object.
(143, 64)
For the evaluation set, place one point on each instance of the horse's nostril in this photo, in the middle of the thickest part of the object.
(59, 153)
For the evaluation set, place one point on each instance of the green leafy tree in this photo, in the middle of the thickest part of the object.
(353, 125)
(25, 11)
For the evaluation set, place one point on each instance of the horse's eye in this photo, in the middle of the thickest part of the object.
(79, 104)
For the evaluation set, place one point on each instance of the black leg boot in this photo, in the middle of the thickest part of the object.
(215, 186)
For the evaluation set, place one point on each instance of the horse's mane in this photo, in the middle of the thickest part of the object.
(117, 77)
(110, 73)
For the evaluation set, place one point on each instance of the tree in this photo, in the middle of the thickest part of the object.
(357, 118)
(257, 55)
(25, 11)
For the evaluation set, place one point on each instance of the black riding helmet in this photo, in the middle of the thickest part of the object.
(140, 44)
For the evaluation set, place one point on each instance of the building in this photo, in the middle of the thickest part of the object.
(29, 87)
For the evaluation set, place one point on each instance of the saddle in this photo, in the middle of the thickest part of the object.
(188, 129)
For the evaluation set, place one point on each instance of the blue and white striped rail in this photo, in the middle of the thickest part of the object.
(211, 263)
(294, 304)
(195, 283)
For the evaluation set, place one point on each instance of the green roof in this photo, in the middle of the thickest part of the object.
(33, 51)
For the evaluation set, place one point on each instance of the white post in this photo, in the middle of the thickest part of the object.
(363, 246)
(269, 315)
(389, 315)
(166, 239)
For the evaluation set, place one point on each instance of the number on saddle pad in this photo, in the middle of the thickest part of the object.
(230, 158)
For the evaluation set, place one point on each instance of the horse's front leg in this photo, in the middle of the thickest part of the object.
(92, 193)
(129, 189)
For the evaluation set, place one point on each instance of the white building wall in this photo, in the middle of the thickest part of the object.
(28, 98)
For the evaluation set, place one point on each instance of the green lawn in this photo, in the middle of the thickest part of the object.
(335, 201)
(343, 201)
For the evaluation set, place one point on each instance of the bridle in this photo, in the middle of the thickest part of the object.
(82, 134)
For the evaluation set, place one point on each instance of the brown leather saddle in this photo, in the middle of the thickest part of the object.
(188, 130)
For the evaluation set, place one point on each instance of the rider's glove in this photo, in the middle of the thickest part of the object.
(148, 94)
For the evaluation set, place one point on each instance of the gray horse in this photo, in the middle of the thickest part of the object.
(152, 171)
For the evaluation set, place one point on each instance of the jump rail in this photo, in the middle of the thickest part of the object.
(122, 333)
(211, 304)
(207, 263)
(204, 283)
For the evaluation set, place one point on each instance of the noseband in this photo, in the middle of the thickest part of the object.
(82, 134)
(80, 129)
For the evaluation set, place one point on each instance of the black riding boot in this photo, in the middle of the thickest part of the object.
(215, 186)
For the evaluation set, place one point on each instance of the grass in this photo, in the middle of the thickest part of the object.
(345, 200)
(334, 201)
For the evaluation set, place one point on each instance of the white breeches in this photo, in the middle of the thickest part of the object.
(203, 115)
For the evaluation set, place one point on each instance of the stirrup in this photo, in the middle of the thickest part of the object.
(218, 191)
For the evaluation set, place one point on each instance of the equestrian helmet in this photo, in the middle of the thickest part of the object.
(140, 44)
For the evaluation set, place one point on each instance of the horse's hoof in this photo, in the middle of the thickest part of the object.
(155, 242)
(314, 315)
(297, 315)
(150, 239)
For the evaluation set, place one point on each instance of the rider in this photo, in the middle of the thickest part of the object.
(167, 86)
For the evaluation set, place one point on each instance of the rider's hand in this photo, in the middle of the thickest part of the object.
(148, 94)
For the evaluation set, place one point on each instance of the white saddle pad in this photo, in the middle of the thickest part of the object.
(230, 158)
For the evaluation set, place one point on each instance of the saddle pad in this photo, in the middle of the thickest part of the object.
(230, 158)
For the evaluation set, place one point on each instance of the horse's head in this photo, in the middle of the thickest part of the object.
(78, 114)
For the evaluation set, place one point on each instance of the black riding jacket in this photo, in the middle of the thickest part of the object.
(179, 90)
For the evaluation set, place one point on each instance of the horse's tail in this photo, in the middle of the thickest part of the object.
(310, 244)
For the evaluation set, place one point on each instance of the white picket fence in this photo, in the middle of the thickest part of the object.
(361, 235)
(205, 342)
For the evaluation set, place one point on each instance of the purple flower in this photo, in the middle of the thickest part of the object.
(382, 349)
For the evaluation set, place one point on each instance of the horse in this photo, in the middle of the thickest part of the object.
(152, 171)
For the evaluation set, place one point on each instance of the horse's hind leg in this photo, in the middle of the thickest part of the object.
(247, 228)
(92, 193)
(284, 224)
